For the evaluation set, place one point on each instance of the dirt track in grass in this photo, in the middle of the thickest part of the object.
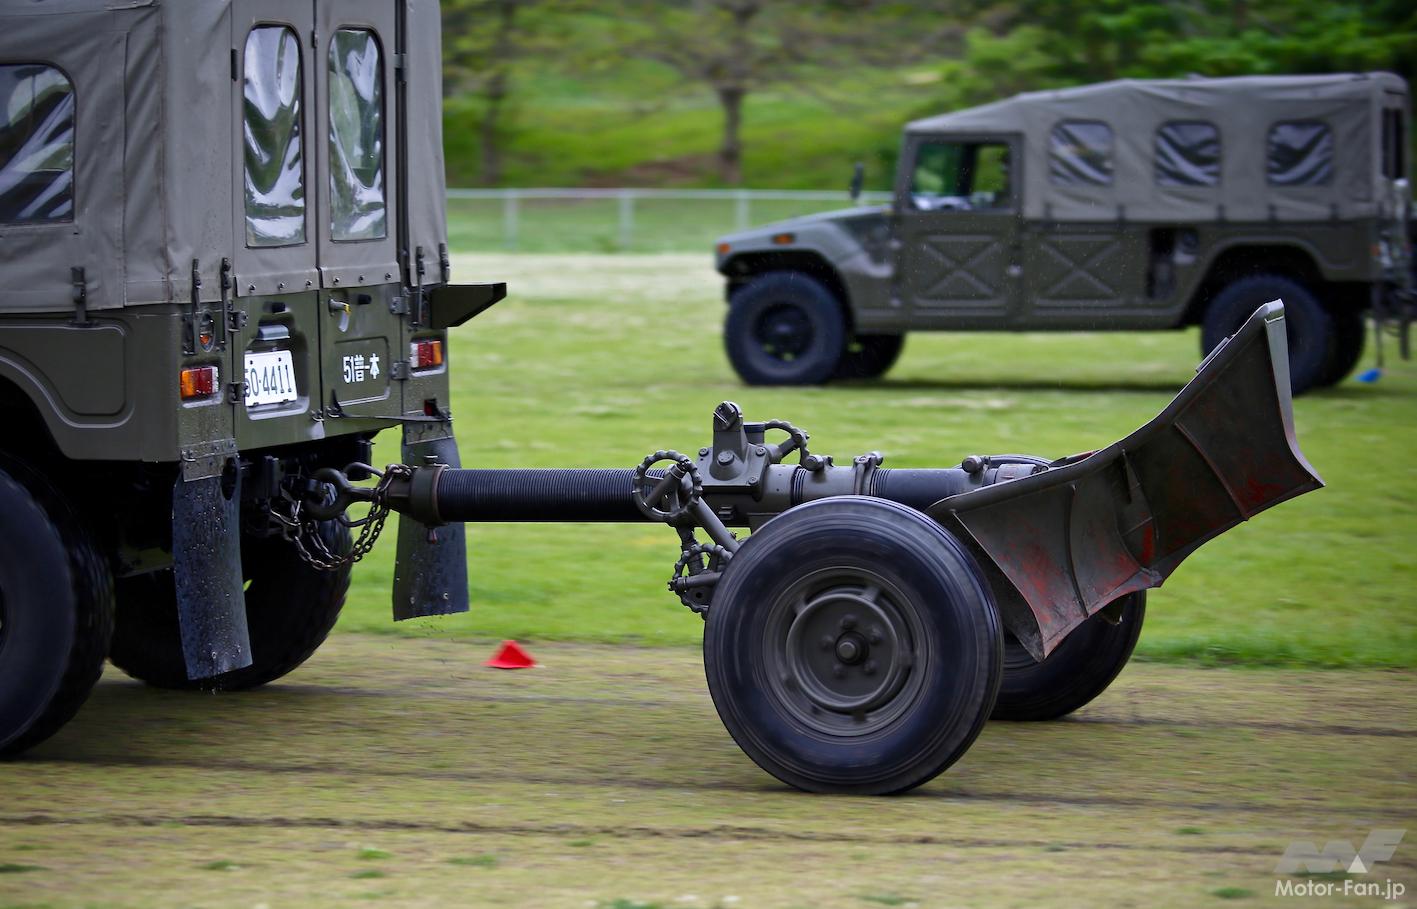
(401, 772)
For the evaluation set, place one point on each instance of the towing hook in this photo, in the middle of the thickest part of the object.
(345, 492)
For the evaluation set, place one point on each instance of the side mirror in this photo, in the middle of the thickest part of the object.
(858, 177)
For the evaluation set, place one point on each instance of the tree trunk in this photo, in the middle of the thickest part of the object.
(730, 151)
(489, 132)
(494, 93)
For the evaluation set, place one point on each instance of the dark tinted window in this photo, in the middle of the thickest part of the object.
(275, 176)
(1394, 145)
(1300, 153)
(36, 144)
(356, 137)
(1187, 154)
(1080, 153)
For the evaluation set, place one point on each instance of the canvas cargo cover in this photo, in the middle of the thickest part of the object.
(154, 151)
(1249, 142)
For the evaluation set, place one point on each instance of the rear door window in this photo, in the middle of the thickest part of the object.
(36, 144)
(357, 206)
(1300, 153)
(1187, 154)
(274, 144)
(1080, 153)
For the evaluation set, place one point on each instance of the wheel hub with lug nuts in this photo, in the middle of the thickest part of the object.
(846, 657)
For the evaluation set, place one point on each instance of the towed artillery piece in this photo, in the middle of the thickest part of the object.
(200, 338)
(874, 618)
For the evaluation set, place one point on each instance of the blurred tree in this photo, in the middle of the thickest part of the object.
(737, 47)
(485, 42)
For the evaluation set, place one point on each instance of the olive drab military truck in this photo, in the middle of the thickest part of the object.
(223, 266)
(223, 270)
(1127, 205)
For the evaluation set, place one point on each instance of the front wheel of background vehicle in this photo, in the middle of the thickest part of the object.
(290, 608)
(1350, 332)
(1078, 669)
(56, 613)
(784, 328)
(852, 646)
(1308, 326)
(869, 356)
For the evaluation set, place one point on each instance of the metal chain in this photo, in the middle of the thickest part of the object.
(305, 532)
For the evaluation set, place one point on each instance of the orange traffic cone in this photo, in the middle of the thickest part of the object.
(510, 656)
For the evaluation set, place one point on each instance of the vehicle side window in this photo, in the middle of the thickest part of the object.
(961, 176)
(1300, 153)
(357, 208)
(1394, 145)
(36, 144)
(275, 174)
(1080, 153)
(1187, 154)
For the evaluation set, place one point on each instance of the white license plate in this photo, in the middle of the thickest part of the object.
(270, 378)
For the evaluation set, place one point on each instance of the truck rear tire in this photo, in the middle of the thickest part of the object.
(1308, 325)
(1350, 333)
(290, 609)
(853, 646)
(784, 328)
(869, 356)
(1076, 672)
(56, 612)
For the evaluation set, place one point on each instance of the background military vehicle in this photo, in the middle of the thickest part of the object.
(1122, 206)
(222, 267)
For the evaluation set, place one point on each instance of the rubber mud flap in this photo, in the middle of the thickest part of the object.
(206, 565)
(430, 575)
(1080, 535)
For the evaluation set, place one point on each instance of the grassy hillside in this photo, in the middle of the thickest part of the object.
(640, 126)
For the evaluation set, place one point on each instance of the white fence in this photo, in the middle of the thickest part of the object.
(607, 220)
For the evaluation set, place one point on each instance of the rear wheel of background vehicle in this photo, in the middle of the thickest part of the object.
(784, 328)
(869, 356)
(56, 613)
(1078, 669)
(1350, 332)
(1308, 325)
(290, 609)
(853, 646)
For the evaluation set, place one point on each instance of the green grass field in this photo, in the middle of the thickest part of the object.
(596, 360)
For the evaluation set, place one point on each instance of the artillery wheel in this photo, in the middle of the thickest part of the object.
(56, 612)
(290, 609)
(784, 328)
(869, 356)
(1078, 669)
(853, 646)
(1308, 326)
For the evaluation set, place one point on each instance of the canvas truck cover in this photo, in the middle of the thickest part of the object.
(1288, 148)
(135, 99)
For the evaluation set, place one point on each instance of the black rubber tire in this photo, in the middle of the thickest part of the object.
(1308, 325)
(1350, 334)
(56, 595)
(1076, 672)
(290, 609)
(784, 328)
(900, 736)
(869, 356)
